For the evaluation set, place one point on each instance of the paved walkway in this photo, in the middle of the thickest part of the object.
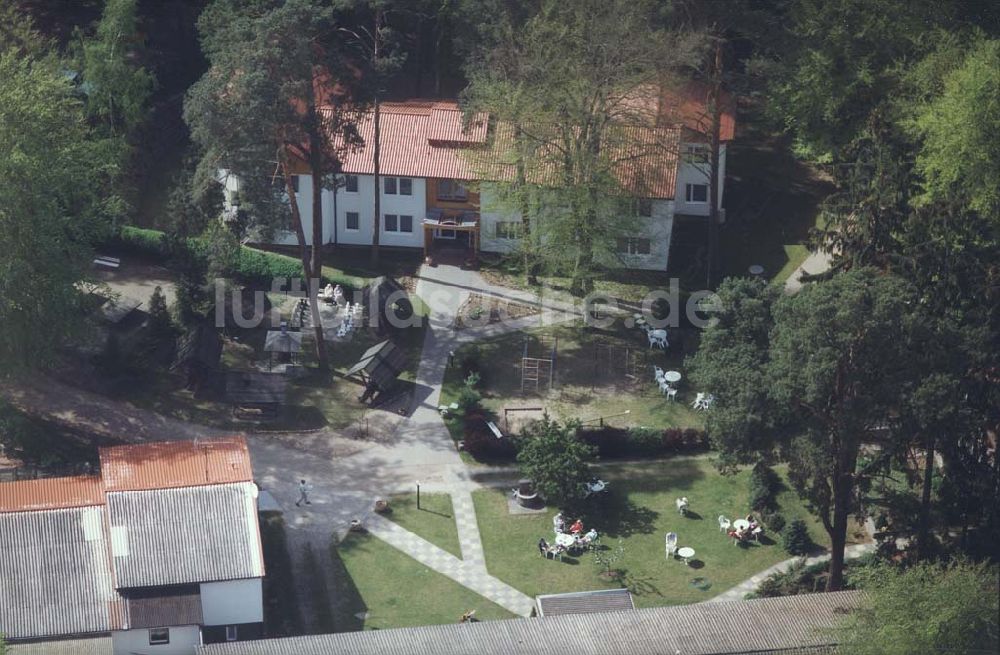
(816, 263)
(349, 474)
(749, 586)
(470, 574)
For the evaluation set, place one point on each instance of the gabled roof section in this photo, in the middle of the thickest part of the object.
(173, 464)
(185, 535)
(585, 602)
(688, 105)
(51, 493)
(446, 126)
(793, 624)
(55, 574)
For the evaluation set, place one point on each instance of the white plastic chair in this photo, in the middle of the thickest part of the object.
(658, 372)
(662, 343)
(671, 544)
(724, 523)
(653, 341)
(664, 386)
(671, 393)
(682, 505)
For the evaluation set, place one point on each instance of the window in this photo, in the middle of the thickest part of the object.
(159, 636)
(295, 183)
(406, 223)
(451, 190)
(634, 246)
(405, 186)
(351, 183)
(231, 634)
(697, 193)
(644, 207)
(695, 153)
(353, 222)
(391, 223)
(389, 186)
(508, 230)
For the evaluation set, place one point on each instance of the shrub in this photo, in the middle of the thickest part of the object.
(795, 538)
(612, 442)
(482, 444)
(135, 240)
(764, 485)
(774, 521)
(644, 441)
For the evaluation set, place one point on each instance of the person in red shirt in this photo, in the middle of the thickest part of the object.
(577, 527)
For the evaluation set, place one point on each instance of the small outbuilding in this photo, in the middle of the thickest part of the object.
(379, 367)
(584, 602)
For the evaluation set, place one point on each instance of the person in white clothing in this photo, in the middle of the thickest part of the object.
(304, 490)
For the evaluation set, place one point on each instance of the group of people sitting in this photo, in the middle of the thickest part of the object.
(580, 539)
(334, 294)
(752, 528)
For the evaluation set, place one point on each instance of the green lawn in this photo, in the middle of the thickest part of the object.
(389, 589)
(640, 509)
(591, 381)
(434, 521)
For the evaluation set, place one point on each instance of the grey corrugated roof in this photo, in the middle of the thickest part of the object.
(92, 646)
(585, 602)
(55, 574)
(163, 609)
(754, 626)
(185, 535)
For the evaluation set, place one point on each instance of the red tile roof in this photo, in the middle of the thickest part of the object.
(688, 105)
(51, 493)
(427, 139)
(173, 464)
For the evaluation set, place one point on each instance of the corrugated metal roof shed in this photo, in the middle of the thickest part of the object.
(755, 626)
(55, 574)
(172, 464)
(51, 493)
(93, 646)
(585, 602)
(184, 536)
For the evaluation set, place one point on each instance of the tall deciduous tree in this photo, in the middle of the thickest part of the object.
(563, 81)
(258, 111)
(927, 608)
(117, 87)
(832, 369)
(556, 461)
(960, 153)
(48, 207)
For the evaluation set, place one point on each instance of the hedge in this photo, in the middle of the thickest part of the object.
(250, 266)
(610, 442)
(643, 442)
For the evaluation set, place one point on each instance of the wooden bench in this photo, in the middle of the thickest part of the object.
(109, 262)
(494, 429)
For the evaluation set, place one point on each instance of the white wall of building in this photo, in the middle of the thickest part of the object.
(183, 641)
(658, 228)
(232, 602)
(698, 173)
(362, 202)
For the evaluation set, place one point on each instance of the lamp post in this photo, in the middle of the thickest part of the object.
(418, 494)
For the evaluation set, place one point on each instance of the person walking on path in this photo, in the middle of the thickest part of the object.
(303, 494)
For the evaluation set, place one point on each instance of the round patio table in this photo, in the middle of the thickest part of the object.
(686, 553)
(741, 524)
(672, 376)
(565, 540)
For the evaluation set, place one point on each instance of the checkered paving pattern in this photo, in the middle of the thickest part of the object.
(470, 574)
